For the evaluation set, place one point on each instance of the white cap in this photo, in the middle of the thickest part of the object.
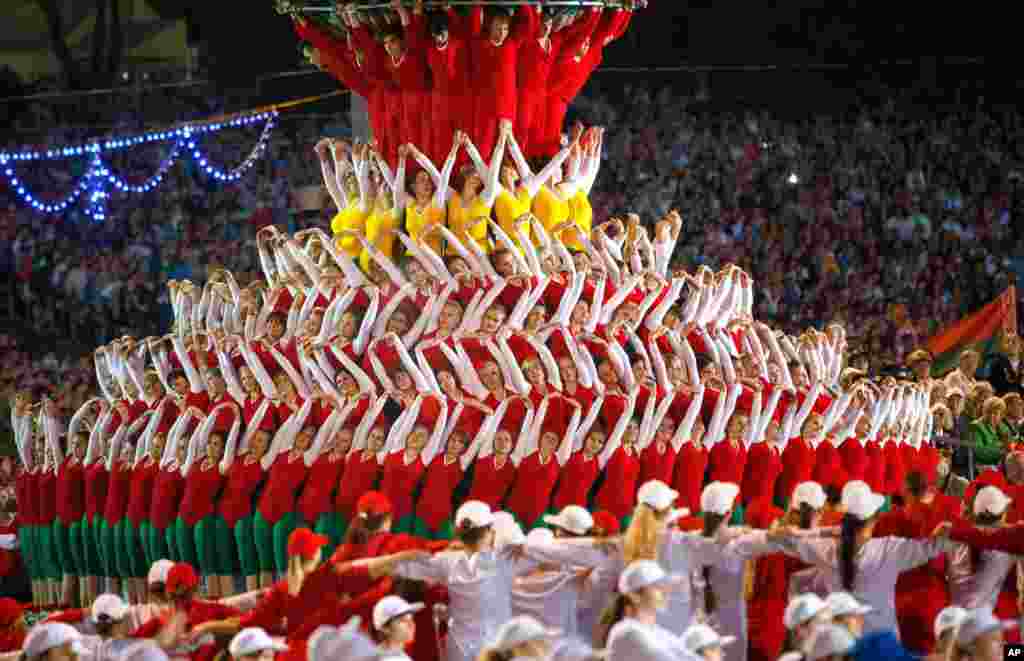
(699, 637)
(852, 487)
(540, 536)
(791, 656)
(158, 571)
(478, 514)
(506, 530)
(656, 495)
(829, 640)
(844, 603)
(629, 639)
(45, 637)
(109, 608)
(572, 649)
(391, 607)
(519, 630)
(573, 519)
(641, 574)
(253, 640)
(347, 642)
(142, 650)
(990, 500)
(976, 624)
(948, 618)
(718, 497)
(810, 493)
(802, 609)
(864, 504)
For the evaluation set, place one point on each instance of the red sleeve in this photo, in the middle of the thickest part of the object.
(416, 34)
(458, 25)
(150, 629)
(894, 524)
(606, 28)
(268, 612)
(1007, 540)
(623, 24)
(574, 35)
(527, 24)
(476, 21)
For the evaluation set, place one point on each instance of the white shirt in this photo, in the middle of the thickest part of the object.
(479, 593)
(978, 587)
(552, 597)
(631, 640)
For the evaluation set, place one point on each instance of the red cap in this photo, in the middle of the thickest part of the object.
(10, 612)
(607, 522)
(305, 543)
(373, 502)
(181, 579)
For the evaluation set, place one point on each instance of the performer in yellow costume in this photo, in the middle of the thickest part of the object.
(584, 171)
(469, 209)
(430, 191)
(355, 205)
(520, 188)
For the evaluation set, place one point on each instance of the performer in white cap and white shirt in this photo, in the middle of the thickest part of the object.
(53, 641)
(829, 642)
(804, 613)
(864, 566)
(551, 593)
(479, 579)
(254, 644)
(848, 612)
(394, 626)
(346, 642)
(980, 637)
(976, 579)
(522, 638)
(635, 634)
(947, 626)
(704, 642)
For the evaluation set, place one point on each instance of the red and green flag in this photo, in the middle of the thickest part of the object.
(977, 331)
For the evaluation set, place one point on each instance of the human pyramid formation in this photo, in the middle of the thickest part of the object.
(387, 417)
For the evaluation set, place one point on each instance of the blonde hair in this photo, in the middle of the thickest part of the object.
(990, 406)
(641, 539)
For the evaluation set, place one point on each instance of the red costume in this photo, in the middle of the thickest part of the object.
(691, 463)
(70, 492)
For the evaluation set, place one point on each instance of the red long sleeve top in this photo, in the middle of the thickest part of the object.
(618, 491)
(410, 72)
(96, 478)
(283, 483)
(855, 459)
(47, 510)
(25, 494)
(491, 482)
(168, 487)
(317, 494)
(798, 461)
(764, 466)
(657, 463)
(361, 474)
(140, 492)
(726, 461)
(450, 67)
(202, 486)
(895, 471)
(495, 66)
(70, 492)
(116, 504)
(399, 481)
(828, 466)
(688, 479)
(576, 481)
(532, 489)
(244, 479)
(569, 74)
(442, 478)
(875, 474)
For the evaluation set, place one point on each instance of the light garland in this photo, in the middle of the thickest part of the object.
(99, 178)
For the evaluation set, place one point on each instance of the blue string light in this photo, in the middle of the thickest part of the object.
(98, 178)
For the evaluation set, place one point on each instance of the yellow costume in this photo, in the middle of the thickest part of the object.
(582, 215)
(508, 207)
(460, 219)
(417, 221)
(550, 209)
(350, 218)
(378, 234)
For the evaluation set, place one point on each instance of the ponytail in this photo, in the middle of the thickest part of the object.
(641, 539)
(469, 535)
(612, 614)
(848, 550)
(806, 513)
(711, 524)
(364, 527)
(491, 654)
(917, 485)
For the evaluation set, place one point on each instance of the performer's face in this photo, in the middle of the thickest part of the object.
(346, 383)
(490, 375)
(457, 444)
(493, 319)
(305, 439)
(343, 441)
(398, 324)
(499, 29)
(451, 316)
(567, 369)
(447, 383)
(582, 262)
(347, 326)
(536, 318)
(545, 27)
(595, 442)
(259, 443)
(549, 442)
(503, 442)
(534, 372)
(441, 38)
(505, 264)
(215, 448)
(403, 382)
(249, 382)
(422, 186)
(393, 45)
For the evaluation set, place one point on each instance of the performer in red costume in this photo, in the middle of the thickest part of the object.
(495, 52)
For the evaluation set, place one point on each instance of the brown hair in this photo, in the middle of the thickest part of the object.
(641, 539)
(364, 527)
(469, 534)
(711, 523)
